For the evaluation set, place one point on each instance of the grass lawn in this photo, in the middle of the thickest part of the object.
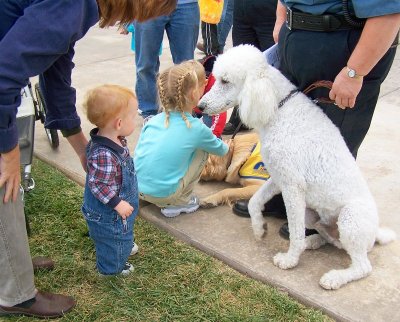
(172, 281)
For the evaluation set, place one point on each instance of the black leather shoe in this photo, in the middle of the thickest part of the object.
(284, 231)
(241, 209)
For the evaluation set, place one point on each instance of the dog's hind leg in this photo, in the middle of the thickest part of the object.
(295, 204)
(357, 234)
(227, 196)
(256, 205)
(360, 267)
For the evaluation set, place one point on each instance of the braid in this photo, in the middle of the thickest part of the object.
(186, 119)
(161, 88)
(179, 84)
(166, 122)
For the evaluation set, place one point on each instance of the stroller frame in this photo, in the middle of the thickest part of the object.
(32, 108)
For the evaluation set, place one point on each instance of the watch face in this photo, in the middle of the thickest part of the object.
(351, 73)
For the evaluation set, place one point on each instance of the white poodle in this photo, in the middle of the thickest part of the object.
(307, 159)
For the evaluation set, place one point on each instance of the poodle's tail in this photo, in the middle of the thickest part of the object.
(385, 236)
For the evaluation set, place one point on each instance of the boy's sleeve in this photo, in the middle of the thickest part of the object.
(101, 170)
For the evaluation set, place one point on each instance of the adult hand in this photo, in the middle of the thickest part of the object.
(124, 209)
(10, 174)
(345, 90)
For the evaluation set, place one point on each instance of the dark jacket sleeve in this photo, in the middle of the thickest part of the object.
(41, 41)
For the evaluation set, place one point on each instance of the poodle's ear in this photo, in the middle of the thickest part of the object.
(258, 99)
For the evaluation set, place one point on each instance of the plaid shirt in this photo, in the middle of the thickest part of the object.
(103, 169)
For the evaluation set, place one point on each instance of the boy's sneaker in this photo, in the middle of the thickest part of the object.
(128, 268)
(135, 249)
(173, 211)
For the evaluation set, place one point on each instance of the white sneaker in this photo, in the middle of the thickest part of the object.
(128, 268)
(135, 249)
(173, 211)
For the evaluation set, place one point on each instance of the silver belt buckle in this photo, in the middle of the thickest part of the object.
(289, 18)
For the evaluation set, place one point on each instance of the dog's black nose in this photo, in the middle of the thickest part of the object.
(201, 106)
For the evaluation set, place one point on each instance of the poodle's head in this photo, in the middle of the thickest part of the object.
(242, 78)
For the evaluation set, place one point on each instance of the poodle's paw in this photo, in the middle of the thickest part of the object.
(314, 241)
(332, 280)
(259, 231)
(285, 261)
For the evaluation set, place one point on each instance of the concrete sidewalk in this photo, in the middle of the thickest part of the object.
(104, 56)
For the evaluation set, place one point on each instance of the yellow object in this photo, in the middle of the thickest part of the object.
(254, 168)
(211, 10)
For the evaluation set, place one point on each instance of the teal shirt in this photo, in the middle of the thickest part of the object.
(163, 155)
(361, 8)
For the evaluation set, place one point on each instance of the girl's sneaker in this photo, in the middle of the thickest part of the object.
(135, 249)
(173, 211)
(128, 268)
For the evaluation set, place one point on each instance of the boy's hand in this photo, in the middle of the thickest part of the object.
(124, 209)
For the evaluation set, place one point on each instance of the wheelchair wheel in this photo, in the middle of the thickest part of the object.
(52, 134)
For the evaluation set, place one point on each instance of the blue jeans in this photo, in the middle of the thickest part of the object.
(225, 24)
(182, 28)
(113, 238)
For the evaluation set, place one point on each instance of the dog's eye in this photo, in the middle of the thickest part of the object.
(224, 81)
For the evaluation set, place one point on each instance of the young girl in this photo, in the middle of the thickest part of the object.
(111, 202)
(173, 146)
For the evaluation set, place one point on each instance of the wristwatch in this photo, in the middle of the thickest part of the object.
(352, 73)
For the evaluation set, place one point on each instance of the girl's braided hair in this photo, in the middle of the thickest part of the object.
(175, 86)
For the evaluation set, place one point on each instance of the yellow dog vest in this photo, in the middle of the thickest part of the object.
(254, 168)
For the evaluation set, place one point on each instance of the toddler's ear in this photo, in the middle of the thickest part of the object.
(118, 123)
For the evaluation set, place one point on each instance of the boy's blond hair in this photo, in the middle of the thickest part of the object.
(106, 102)
(176, 84)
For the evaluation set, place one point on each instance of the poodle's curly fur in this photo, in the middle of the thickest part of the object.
(308, 161)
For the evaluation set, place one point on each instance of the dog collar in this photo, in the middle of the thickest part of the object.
(288, 97)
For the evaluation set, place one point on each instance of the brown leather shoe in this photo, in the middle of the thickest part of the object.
(41, 262)
(45, 305)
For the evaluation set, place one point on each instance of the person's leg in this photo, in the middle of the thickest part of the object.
(225, 24)
(242, 30)
(209, 34)
(184, 191)
(183, 31)
(192, 176)
(148, 39)
(112, 240)
(16, 273)
(242, 33)
(18, 295)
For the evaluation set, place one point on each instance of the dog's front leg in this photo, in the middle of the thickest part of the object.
(295, 204)
(256, 205)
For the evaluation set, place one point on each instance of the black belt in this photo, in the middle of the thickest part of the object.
(305, 21)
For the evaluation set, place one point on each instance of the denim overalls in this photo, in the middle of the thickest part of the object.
(113, 239)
